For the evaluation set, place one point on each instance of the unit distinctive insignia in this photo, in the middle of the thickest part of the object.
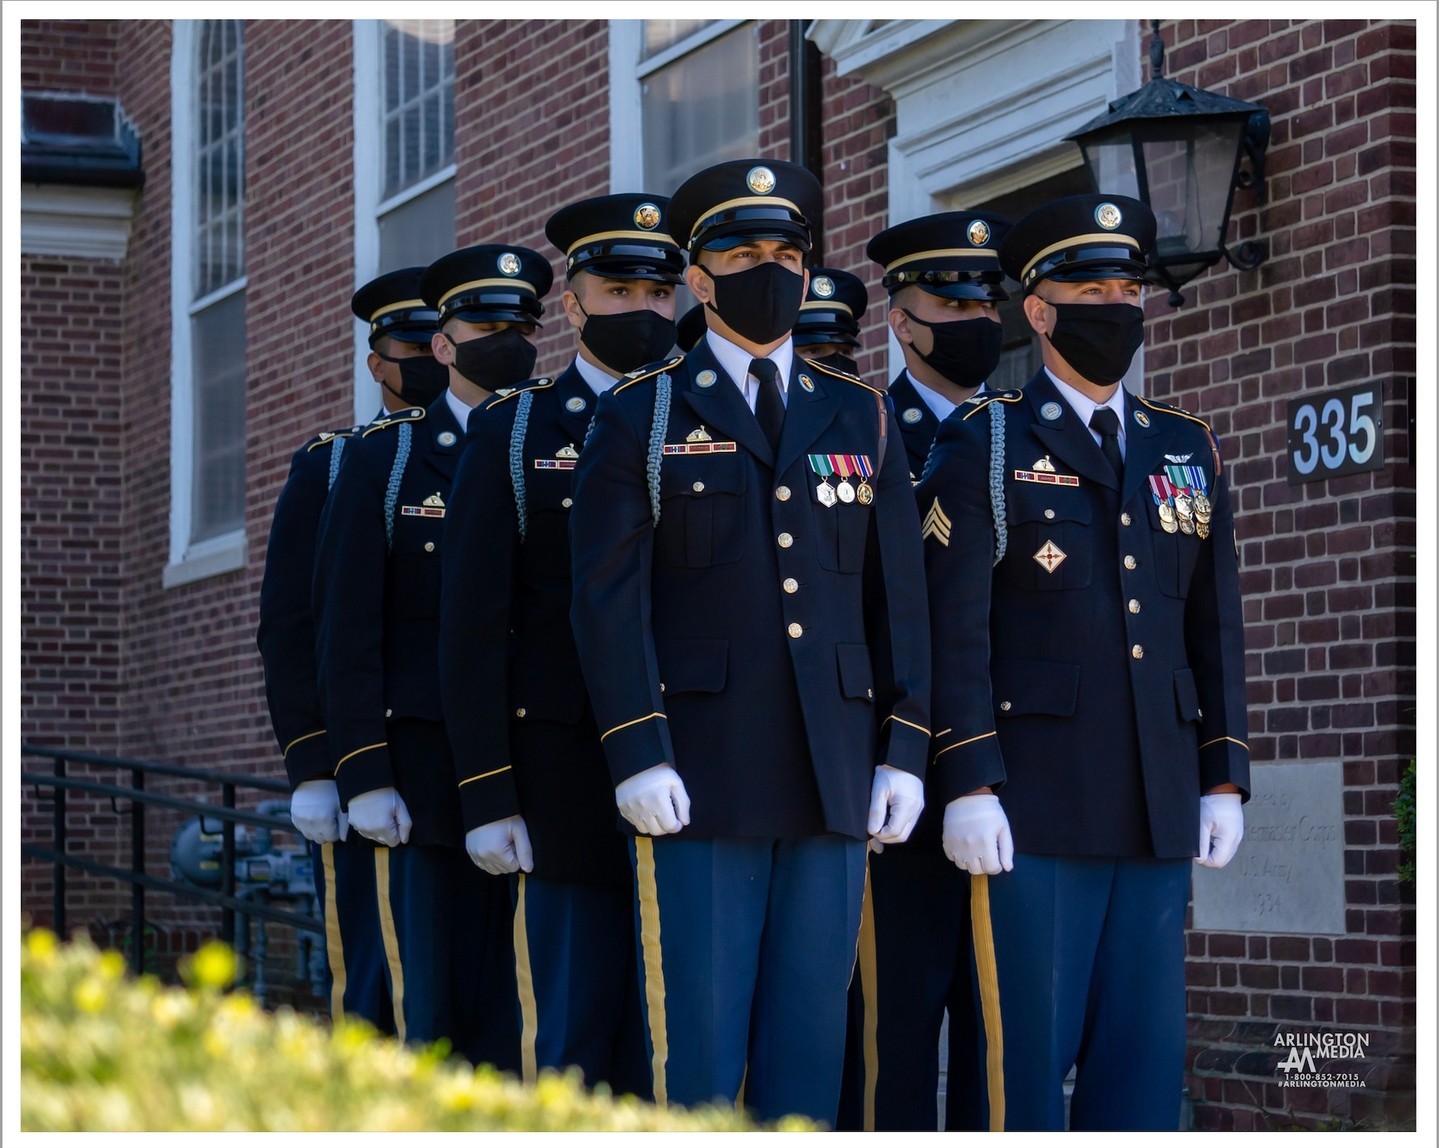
(564, 459)
(432, 507)
(1050, 556)
(699, 434)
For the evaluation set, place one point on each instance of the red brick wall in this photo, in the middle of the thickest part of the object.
(1327, 567)
(69, 56)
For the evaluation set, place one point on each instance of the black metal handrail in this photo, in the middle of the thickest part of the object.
(59, 782)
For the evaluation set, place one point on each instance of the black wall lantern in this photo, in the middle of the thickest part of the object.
(1179, 149)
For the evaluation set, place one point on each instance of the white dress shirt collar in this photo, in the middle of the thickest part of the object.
(458, 408)
(736, 360)
(1084, 406)
(596, 378)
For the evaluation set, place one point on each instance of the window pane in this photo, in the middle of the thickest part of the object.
(662, 34)
(219, 157)
(418, 100)
(420, 230)
(218, 374)
(702, 109)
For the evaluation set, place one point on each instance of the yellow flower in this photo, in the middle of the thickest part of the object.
(212, 967)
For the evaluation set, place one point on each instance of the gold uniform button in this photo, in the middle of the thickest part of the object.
(520, 712)
(790, 585)
(699, 486)
(1129, 562)
(1124, 518)
(1049, 514)
(429, 546)
(1137, 651)
(567, 503)
(1134, 605)
(795, 629)
(1006, 706)
(782, 493)
(786, 540)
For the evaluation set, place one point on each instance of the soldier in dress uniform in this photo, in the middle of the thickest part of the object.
(944, 281)
(735, 510)
(402, 363)
(1089, 686)
(377, 601)
(827, 330)
(535, 792)
(945, 284)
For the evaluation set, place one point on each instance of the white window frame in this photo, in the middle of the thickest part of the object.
(188, 562)
(627, 74)
(369, 183)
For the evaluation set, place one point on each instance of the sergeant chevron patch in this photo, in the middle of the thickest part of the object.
(936, 525)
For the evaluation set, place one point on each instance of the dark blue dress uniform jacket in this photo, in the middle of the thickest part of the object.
(516, 709)
(1102, 698)
(377, 606)
(918, 432)
(286, 635)
(730, 639)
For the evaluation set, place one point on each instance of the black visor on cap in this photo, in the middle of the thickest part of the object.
(1095, 261)
(736, 225)
(409, 326)
(627, 261)
(494, 307)
(950, 284)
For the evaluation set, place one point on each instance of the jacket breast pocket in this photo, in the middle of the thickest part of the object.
(413, 585)
(1051, 545)
(702, 520)
(842, 533)
(1175, 556)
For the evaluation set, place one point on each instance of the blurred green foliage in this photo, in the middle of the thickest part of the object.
(101, 1051)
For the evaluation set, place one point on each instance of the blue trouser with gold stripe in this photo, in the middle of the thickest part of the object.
(354, 947)
(1088, 960)
(747, 946)
(448, 929)
(578, 983)
(914, 967)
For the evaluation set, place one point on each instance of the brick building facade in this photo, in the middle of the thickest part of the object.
(128, 650)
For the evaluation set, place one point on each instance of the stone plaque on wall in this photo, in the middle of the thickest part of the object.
(1288, 876)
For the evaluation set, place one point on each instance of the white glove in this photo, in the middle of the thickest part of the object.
(976, 834)
(315, 811)
(381, 816)
(654, 801)
(895, 801)
(501, 847)
(1221, 828)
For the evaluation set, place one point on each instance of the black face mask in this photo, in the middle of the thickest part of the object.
(422, 379)
(628, 339)
(836, 361)
(965, 351)
(759, 304)
(495, 361)
(1098, 339)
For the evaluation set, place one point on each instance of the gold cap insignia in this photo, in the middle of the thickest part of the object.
(1107, 215)
(434, 500)
(978, 233)
(647, 215)
(509, 263)
(567, 451)
(1044, 464)
(760, 180)
(698, 435)
(823, 286)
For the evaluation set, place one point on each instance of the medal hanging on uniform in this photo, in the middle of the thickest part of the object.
(865, 493)
(842, 467)
(1203, 508)
(1163, 491)
(820, 464)
(1183, 497)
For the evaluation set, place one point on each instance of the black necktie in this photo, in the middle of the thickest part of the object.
(768, 406)
(1106, 422)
